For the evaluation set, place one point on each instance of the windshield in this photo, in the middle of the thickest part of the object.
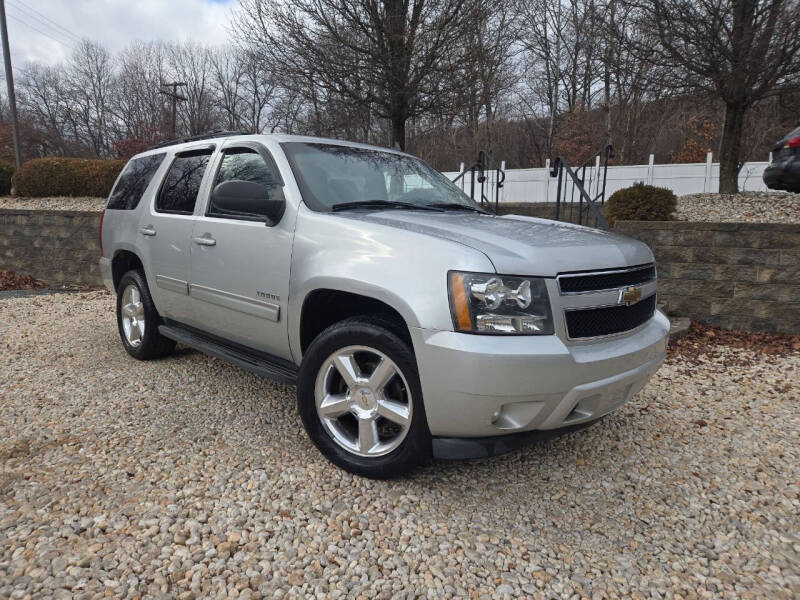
(330, 175)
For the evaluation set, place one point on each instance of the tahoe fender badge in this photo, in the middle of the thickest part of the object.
(268, 296)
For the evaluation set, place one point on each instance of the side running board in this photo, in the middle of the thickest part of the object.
(259, 363)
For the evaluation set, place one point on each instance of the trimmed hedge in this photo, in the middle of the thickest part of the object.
(44, 177)
(641, 202)
(6, 171)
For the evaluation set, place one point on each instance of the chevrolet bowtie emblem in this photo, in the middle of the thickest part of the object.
(629, 295)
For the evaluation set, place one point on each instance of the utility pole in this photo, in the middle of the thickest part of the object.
(176, 97)
(12, 100)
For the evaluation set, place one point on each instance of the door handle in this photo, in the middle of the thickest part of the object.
(205, 240)
(147, 230)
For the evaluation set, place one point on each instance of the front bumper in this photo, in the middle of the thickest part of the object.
(485, 386)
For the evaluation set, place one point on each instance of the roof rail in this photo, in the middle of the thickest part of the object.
(216, 133)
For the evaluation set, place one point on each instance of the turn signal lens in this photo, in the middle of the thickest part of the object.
(460, 305)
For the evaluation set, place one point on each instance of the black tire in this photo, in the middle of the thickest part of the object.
(152, 344)
(373, 332)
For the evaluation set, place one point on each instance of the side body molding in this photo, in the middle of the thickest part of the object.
(173, 285)
(242, 304)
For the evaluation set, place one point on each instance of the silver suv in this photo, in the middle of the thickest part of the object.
(414, 323)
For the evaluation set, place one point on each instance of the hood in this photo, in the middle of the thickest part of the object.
(519, 245)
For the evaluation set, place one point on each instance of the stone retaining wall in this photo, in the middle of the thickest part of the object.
(57, 247)
(734, 275)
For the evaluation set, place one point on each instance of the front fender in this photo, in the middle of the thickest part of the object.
(404, 269)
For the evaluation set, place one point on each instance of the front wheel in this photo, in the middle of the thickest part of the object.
(138, 319)
(360, 399)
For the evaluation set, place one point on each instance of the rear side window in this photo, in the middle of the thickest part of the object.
(178, 193)
(133, 181)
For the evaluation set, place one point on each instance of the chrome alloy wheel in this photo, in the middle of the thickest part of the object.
(363, 401)
(133, 321)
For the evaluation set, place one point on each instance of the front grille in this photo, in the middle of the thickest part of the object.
(593, 322)
(571, 284)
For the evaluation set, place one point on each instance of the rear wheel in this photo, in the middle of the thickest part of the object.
(138, 319)
(360, 399)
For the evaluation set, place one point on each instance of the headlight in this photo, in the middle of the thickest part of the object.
(497, 304)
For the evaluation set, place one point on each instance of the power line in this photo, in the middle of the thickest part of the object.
(41, 18)
(37, 24)
(63, 43)
(53, 24)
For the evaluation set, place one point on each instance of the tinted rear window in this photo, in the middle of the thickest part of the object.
(179, 191)
(133, 181)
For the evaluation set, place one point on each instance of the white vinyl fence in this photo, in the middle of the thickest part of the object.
(536, 185)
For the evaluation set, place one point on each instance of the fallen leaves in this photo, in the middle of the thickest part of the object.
(12, 281)
(705, 342)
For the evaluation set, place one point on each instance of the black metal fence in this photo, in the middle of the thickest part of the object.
(483, 179)
(581, 192)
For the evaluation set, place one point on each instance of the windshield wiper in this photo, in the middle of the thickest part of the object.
(381, 204)
(457, 206)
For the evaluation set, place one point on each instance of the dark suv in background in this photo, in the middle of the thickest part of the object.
(783, 173)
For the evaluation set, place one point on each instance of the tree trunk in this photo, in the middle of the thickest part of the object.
(399, 131)
(730, 148)
(609, 53)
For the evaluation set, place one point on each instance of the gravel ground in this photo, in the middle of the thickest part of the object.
(190, 478)
(57, 203)
(749, 207)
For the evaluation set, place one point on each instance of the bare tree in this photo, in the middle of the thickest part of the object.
(259, 90)
(739, 51)
(42, 96)
(227, 67)
(191, 63)
(524, 79)
(383, 55)
(488, 73)
(543, 39)
(137, 105)
(89, 77)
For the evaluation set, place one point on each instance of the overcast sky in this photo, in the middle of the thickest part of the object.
(45, 30)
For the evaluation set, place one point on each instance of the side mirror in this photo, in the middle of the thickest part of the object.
(246, 200)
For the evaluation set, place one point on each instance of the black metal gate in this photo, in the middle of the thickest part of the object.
(581, 192)
(486, 178)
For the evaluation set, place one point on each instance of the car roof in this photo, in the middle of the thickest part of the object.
(203, 142)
